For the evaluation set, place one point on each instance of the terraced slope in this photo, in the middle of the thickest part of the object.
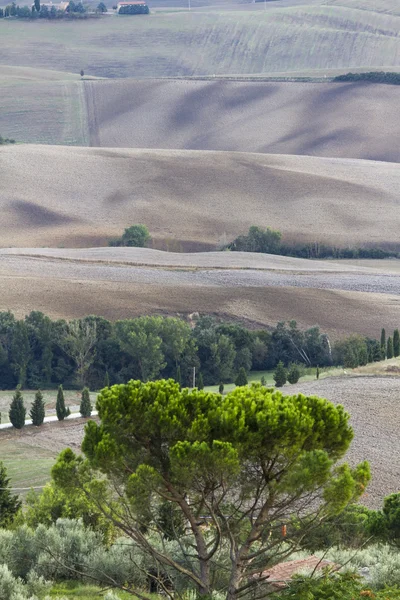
(291, 36)
(83, 196)
(328, 119)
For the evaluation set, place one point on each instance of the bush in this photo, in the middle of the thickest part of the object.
(136, 235)
(293, 375)
(241, 378)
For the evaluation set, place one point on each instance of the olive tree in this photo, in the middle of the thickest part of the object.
(233, 468)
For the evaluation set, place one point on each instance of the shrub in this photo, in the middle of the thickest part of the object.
(136, 235)
(293, 375)
(241, 378)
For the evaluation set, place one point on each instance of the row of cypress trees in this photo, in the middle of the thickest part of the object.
(390, 348)
(17, 412)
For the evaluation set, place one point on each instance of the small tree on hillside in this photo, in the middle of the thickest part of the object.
(101, 7)
(280, 375)
(61, 410)
(389, 348)
(221, 388)
(241, 378)
(9, 503)
(396, 343)
(293, 374)
(136, 235)
(17, 410)
(37, 412)
(85, 408)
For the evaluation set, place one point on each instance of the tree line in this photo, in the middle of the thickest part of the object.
(269, 241)
(37, 352)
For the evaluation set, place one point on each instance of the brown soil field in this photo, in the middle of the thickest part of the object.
(69, 196)
(373, 403)
(328, 119)
(64, 286)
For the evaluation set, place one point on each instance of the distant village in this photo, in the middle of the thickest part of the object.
(71, 9)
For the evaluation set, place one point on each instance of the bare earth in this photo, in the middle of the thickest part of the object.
(348, 120)
(122, 282)
(373, 405)
(75, 197)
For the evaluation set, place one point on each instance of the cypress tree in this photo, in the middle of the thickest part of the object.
(383, 343)
(263, 380)
(280, 375)
(200, 384)
(17, 410)
(9, 503)
(389, 348)
(241, 378)
(221, 388)
(107, 380)
(396, 343)
(178, 376)
(85, 408)
(37, 412)
(61, 409)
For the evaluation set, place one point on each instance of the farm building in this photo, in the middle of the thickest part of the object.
(134, 7)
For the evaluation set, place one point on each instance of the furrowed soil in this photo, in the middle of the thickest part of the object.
(256, 289)
(65, 196)
(349, 120)
(373, 405)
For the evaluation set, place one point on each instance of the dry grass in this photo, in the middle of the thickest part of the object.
(82, 197)
(288, 36)
(327, 119)
(373, 406)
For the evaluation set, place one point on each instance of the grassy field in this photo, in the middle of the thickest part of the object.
(281, 38)
(343, 202)
(42, 106)
(325, 119)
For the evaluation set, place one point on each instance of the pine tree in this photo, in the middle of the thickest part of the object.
(200, 384)
(61, 409)
(9, 503)
(107, 380)
(383, 344)
(37, 412)
(293, 374)
(85, 408)
(263, 380)
(17, 410)
(241, 378)
(280, 375)
(389, 348)
(221, 388)
(396, 343)
(317, 373)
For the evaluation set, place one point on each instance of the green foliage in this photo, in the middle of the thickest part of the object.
(136, 235)
(258, 239)
(396, 343)
(221, 388)
(351, 352)
(241, 378)
(61, 410)
(383, 343)
(200, 383)
(293, 374)
(192, 449)
(134, 9)
(101, 7)
(3, 140)
(17, 410)
(9, 503)
(37, 412)
(389, 348)
(372, 77)
(280, 375)
(85, 408)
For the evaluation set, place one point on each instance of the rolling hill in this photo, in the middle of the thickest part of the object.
(292, 36)
(350, 120)
(52, 195)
